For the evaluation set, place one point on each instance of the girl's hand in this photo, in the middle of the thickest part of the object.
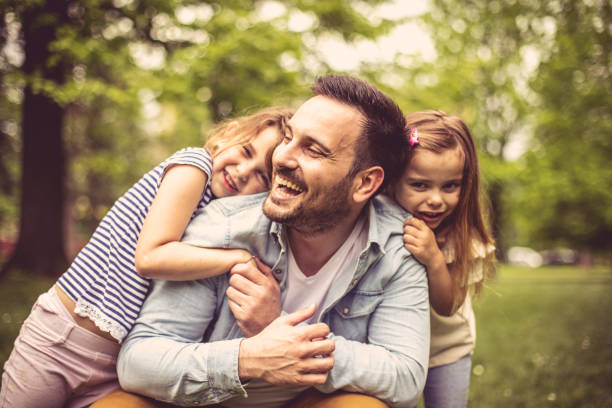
(253, 296)
(420, 240)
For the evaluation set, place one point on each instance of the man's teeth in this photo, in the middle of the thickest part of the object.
(288, 184)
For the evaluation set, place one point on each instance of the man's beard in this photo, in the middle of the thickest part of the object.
(318, 213)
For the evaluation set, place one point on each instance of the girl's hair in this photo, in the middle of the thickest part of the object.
(437, 132)
(243, 129)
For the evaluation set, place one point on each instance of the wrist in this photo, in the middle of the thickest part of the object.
(437, 263)
(245, 371)
(241, 256)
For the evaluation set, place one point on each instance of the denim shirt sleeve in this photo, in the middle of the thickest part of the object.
(164, 358)
(392, 364)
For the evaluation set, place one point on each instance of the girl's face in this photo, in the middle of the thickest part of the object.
(242, 169)
(430, 186)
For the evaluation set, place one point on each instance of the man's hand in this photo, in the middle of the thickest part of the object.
(253, 296)
(286, 354)
(420, 240)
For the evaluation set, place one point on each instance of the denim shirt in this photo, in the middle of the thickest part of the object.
(378, 314)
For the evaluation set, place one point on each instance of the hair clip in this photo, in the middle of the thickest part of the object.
(414, 137)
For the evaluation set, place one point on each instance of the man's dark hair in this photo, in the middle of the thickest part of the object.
(382, 142)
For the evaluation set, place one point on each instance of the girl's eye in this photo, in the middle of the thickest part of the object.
(263, 178)
(452, 186)
(418, 186)
(247, 151)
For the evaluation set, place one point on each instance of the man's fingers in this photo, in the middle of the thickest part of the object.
(242, 284)
(236, 296)
(312, 379)
(263, 268)
(314, 331)
(298, 316)
(249, 271)
(320, 348)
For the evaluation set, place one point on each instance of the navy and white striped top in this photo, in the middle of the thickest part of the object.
(102, 280)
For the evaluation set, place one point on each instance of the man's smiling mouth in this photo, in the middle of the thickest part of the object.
(286, 187)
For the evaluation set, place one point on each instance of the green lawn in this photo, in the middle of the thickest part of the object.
(544, 340)
(544, 336)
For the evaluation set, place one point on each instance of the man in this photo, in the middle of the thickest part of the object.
(330, 244)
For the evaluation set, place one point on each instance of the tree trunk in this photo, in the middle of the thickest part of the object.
(496, 219)
(40, 246)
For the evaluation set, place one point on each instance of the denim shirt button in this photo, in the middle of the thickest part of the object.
(346, 310)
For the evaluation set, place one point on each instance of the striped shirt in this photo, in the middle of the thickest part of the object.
(102, 280)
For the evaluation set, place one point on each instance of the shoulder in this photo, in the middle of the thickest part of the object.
(387, 227)
(194, 156)
(237, 205)
(387, 217)
(225, 218)
(481, 250)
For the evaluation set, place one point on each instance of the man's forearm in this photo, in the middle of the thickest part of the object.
(163, 356)
(181, 373)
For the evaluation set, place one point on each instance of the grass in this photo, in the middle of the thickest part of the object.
(544, 340)
(544, 336)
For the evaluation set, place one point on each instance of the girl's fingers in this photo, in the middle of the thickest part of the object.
(415, 222)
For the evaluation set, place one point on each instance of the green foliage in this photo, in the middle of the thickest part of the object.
(568, 175)
(154, 76)
(144, 78)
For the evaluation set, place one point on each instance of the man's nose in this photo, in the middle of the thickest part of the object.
(285, 155)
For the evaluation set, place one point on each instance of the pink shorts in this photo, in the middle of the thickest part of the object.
(55, 362)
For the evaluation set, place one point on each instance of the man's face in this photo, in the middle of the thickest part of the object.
(311, 187)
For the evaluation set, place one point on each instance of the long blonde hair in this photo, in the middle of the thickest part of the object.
(243, 129)
(437, 132)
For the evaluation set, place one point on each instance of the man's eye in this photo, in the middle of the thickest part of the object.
(314, 151)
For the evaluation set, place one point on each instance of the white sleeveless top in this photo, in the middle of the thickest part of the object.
(102, 280)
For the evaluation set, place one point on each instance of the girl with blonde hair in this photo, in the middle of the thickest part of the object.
(66, 351)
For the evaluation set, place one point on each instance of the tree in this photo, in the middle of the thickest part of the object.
(568, 179)
(101, 63)
(43, 158)
(478, 74)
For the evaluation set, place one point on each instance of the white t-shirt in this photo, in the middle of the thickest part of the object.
(304, 290)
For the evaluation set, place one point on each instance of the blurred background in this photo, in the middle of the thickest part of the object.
(94, 93)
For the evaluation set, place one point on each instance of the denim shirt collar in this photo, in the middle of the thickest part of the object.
(374, 250)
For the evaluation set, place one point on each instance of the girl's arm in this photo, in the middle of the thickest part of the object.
(159, 252)
(420, 240)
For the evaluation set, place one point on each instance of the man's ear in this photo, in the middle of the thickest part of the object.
(366, 183)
